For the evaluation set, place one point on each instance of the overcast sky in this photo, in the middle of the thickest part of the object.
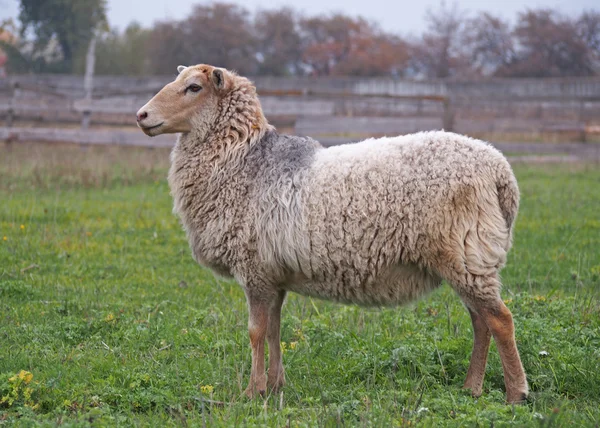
(402, 17)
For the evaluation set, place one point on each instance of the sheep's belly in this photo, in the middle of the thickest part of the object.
(397, 285)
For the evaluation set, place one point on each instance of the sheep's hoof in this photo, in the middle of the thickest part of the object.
(475, 393)
(276, 381)
(253, 392)
(276, 386)
(516, 398)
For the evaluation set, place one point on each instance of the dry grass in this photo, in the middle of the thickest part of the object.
(49, 166)
(537, 137)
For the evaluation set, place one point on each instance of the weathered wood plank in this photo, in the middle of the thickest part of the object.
(78, 136)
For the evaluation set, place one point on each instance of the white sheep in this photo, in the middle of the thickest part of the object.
(380, 222)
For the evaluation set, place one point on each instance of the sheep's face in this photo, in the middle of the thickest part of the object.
(189, 103)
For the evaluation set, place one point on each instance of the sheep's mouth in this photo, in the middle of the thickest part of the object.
(148, 129)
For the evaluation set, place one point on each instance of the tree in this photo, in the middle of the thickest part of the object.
(342, 45)
(7, 43)
(278, 42)
(124, 53)
(488, 42)
(439, 53)
(17, 52)
(374, 54)
(327, 40)
(588, 30)
(69, 23)
(221, 34)
(550, 45)
(167, 47)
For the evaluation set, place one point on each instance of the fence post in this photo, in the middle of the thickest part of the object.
(88, 82)
(582, 122)
(448, 115)
(10, 114)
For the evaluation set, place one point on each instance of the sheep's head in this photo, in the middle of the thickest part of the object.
(191, 102)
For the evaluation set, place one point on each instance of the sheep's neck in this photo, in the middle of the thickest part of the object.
(209, 165)
(220, 151)
(210, 194)
(201, 168)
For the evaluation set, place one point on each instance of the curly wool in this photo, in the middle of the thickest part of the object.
(375, 223)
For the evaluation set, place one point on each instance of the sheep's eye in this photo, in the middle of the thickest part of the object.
(194, 88)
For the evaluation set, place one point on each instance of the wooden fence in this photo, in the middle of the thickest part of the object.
(329, 109)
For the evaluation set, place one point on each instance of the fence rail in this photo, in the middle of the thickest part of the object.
(330, 107)
(556, 87)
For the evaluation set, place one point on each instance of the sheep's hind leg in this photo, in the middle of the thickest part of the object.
(276, 374)
(481, 346)
(482, 296)
(500, 322)
(258, 318)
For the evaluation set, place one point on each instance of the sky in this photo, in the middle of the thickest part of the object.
(400, 17)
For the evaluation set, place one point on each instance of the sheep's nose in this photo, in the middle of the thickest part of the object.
(142, 116)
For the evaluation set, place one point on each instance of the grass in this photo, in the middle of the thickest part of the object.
(107, 320)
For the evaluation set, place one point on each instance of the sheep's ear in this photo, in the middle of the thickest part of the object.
(181, 68)
(218, 78)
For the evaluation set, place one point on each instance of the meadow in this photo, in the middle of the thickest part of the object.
(106, 320)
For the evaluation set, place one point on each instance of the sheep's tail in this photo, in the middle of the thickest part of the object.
(508, 193)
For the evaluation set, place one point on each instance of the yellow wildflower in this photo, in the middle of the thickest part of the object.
(4, 238)
(206, 389)
(110, 317)
(283, 346)
(25, 376)
(508, 301)
(540, 298)
(22, 227)
(293, 345)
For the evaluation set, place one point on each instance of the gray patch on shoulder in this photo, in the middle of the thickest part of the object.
(282, 163)
(282, 155)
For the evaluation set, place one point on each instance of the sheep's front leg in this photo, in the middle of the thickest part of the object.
(276, 376)
(258, 309)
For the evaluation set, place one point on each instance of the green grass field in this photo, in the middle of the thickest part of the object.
(106, 319)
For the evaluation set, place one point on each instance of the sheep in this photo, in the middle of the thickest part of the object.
(375, 223)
